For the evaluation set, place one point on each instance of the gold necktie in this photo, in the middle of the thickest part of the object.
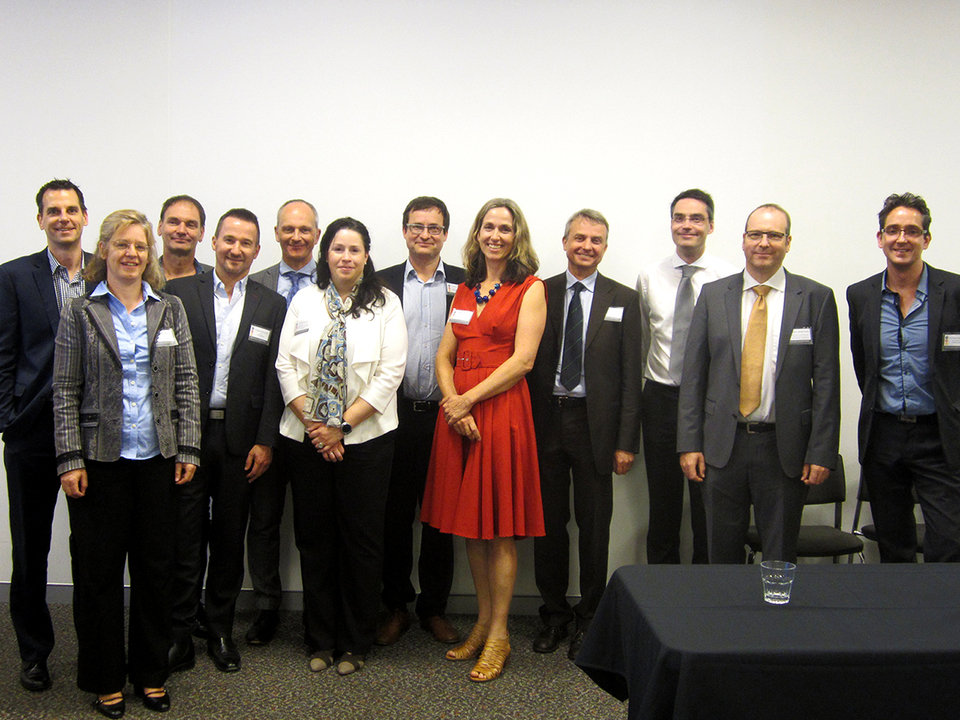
(751, 364)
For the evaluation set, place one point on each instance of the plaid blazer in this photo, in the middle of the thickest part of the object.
(88, 383)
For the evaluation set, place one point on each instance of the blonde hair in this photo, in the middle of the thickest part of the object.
(96, 270)
(522, 261)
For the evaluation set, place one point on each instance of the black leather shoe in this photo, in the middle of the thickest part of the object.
(575, 644)
(224, 654)
(158, 701)
(202, 628)
(34, 676)
(182, 655)
(548, 639)
(113, 710)
(263, 628)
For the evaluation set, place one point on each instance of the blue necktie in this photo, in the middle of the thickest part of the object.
(295, 277)
(571, 364)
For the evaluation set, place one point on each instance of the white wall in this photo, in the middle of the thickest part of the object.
(823, 107)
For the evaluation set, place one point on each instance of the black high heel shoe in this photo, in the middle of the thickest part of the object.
(112, 710)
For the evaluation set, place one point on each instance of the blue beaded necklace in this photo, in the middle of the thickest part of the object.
(481, 299)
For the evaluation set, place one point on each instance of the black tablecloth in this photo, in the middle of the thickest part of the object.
(856, 641)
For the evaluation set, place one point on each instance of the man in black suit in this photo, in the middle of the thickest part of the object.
(236, 330)
(33, 290)
(425, 286)
(905, 337)
(759, 413)
(297, 232)
(585, 388)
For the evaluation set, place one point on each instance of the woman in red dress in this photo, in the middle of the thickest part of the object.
(483, 482)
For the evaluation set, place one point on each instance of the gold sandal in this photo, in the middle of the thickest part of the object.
(470, 647)
(492, 660)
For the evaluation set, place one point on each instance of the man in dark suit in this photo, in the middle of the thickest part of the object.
(236, 330)
(425, 286)
(905, 337)
(297, 231)
(759, 414)
(180, 228)
(33, 290)
(585, 389)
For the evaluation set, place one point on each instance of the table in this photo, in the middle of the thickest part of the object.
(856, 641)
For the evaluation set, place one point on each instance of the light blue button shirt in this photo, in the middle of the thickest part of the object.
(138, 435)
(425, 311)
(284, 281)
(906, 377)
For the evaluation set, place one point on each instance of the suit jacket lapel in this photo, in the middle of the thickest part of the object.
(205, 286)
(250, 303)
(871, 317)
(99, 309)
(556, 292)
(44, 282)
(792, 300)
(733, 300)
(935, 311)
(602, 297)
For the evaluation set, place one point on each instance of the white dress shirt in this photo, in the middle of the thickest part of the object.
(657, 285)
(778, 284)
(227, 311)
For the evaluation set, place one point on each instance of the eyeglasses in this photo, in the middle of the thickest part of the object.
(417, 229)
(124, 245)
(692, 219)
(911, 232)
(757, 236)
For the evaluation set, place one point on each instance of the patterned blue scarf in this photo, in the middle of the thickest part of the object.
(327, 393)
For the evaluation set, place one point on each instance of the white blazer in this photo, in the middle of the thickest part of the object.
(376, 356)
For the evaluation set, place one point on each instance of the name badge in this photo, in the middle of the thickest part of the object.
(461, 317)
(951, 341)
(260, 334)
(301, 327)
(801, 336)
(451, 288)
(166, 338)
(614, 314)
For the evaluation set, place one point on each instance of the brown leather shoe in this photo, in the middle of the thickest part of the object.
(396, 624)
(441, 629)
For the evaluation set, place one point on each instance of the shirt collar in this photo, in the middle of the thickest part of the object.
(309, 269)
(55, 264)
(589, 283)
(778, 281)
(679, 262)
(408, 268)
(922, 286)
(102, 289)
(221, 289)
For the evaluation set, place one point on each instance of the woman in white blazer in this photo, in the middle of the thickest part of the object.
(342, 353)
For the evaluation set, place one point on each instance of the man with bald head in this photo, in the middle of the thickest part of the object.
(297, 232)
(759, 413)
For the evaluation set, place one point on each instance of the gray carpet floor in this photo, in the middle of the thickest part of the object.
(408, 680)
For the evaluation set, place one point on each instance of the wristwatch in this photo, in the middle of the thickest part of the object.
(346, 428)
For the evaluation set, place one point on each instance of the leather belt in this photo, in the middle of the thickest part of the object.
(930, 419)
(422, 406)
(755, 428)
(565, 401)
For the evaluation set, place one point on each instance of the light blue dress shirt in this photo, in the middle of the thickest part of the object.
(138, 436)
(425, 312)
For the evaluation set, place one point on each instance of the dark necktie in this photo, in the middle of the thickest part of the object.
(571, 364)
(682, 315)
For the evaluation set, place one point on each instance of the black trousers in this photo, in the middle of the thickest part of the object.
(899, 458)
(268, 494)
(128, 516)
(752, 475)
(33, 487)
(213, 511)
(408, 475)
(666, 480)
(338, 511)
(565, 451)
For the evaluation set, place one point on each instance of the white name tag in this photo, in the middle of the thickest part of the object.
(614, 314)
(951, 341)
(260, 334)
(801, 336)
(451, 288)
(461, 317)
(166, 338)
(301, 327)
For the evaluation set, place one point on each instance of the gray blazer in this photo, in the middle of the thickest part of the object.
(88, 384)
(268, 277)
(807, 377)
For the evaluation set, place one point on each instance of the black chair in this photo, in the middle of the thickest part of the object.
(870, 531)
(821, 540)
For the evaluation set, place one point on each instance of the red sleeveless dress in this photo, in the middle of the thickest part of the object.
(489, 488)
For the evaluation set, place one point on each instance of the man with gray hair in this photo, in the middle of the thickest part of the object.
(585, 392)
(297, 231)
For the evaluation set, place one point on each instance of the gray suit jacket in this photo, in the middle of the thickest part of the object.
(863, 299)
(268, 278)
(88, 384)
(611, 367)
(807, 388)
